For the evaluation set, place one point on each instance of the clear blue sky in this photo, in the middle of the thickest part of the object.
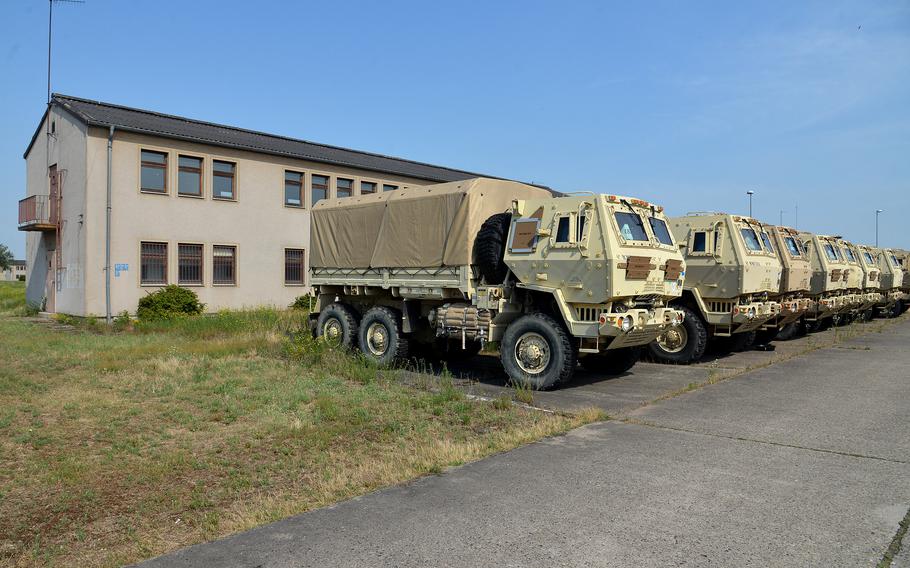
(685, 104)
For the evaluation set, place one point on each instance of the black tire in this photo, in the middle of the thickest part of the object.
(695, 342)
(380, 337)
(791, 331)
(739, 342)
(490, 246)
(824, 324)
(340, 321)
(549, 333)
(612, 361)
(766, 336)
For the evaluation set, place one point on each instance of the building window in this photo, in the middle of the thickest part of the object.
(189, 176)
(189, 264)
(153, 177)
(388, 187)
(344, 187)
(320, 188)
(293, 266)
(153, 263)
(224, 264)
(293, 189)
(223, 179)
(367, 187)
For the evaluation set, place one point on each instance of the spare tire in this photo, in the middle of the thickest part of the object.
(490, 246)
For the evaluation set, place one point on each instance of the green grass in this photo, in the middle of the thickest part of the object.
(12, 298)
(118, 446)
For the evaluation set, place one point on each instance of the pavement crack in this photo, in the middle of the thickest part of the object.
(895, 547)
(639, 422)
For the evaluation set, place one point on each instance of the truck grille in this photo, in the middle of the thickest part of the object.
(720, 307)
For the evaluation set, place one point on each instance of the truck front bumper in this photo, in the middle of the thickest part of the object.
(749, 317)
(637, 326)
(792, 310)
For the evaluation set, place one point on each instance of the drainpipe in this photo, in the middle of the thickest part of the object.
(107, 232)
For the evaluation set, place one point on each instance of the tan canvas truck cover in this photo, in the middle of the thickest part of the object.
(416, 227)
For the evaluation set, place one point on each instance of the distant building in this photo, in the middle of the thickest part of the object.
(15, 272)
(221, 210)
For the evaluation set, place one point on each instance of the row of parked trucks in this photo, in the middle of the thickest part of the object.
(558, 280)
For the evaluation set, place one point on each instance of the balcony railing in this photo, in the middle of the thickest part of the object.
(37, 213)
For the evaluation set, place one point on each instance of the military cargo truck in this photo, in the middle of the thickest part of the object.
(872, 296)
(903, 257)
(731, 272)
(794, 286)
(853, 277)
(454, 265)
(828, 287)
(892, 278)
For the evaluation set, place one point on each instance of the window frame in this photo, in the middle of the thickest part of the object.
(390, 187)
(350, 189)
(368, 182)
(651, 220)
(155, 284)
(788, 239)
(302, 189)
(328, 185)
(233, 247)
(704, 250)
(303, 271)
(201, 159)
(648, 242)
(233, 178)
(201, 281)
(745, 227)
(165, 167)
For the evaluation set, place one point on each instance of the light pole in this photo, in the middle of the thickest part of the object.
(877, 211)
(750, 193)
(781, 218)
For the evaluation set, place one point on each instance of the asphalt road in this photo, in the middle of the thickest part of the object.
(802, 463)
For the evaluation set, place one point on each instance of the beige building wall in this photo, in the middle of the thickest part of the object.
(257, 221)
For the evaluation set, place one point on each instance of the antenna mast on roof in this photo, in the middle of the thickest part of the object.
(50, 24)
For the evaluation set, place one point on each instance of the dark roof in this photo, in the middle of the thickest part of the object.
(95, 113)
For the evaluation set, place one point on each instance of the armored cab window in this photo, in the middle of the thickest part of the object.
(869, 260)
(849, 254)
(751, 239)
(894, 261)
(631, 226)
(792, 246)
(829, 252)
(580, 227)
(660, 230)
(766, 240)
(562, 230)
(700, 241)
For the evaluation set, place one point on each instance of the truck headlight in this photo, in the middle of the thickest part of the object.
(627, 323)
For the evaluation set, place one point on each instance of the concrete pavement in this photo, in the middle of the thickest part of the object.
(803, 463)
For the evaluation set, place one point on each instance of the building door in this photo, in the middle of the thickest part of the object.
(50, 281)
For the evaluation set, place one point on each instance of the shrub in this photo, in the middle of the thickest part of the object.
(303, 303)
(122, 321)
(168, 303)
(21, 278)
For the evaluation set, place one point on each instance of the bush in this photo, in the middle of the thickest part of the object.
(21, 278)
(303, 303)
(168, 303)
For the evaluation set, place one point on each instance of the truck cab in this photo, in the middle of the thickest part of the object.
(732, 272)
(828, 286)
(794, 283)
(892, 279)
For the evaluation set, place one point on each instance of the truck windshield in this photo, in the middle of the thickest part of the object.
(792, 246)
(660, 230)
(767, 241)
(894, 261)
(849, 254)
(829, 252)
(751, 239)
(868, 258)
(630, 226)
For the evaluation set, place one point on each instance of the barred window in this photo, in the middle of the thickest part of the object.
(293, 189)
(153, 176)
(223, 179)
(320, 187)
(189, 264)
(153, 263)
(189, 176)
(389, 187)
(293, 266)
(224, 261)
(344, 187)
(367, 187)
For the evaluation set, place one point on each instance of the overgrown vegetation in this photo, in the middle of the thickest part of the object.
(120, 446)
(168, 303)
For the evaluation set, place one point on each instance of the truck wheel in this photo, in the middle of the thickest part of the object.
(681, 344)
(337, 325)
(766, 336)
(739, 342)
(612, 361)
(380, 336)
(490, 246)
(790, 331)
(537, 351)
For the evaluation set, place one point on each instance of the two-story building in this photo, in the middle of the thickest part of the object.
(122, 201)
(16, 271)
